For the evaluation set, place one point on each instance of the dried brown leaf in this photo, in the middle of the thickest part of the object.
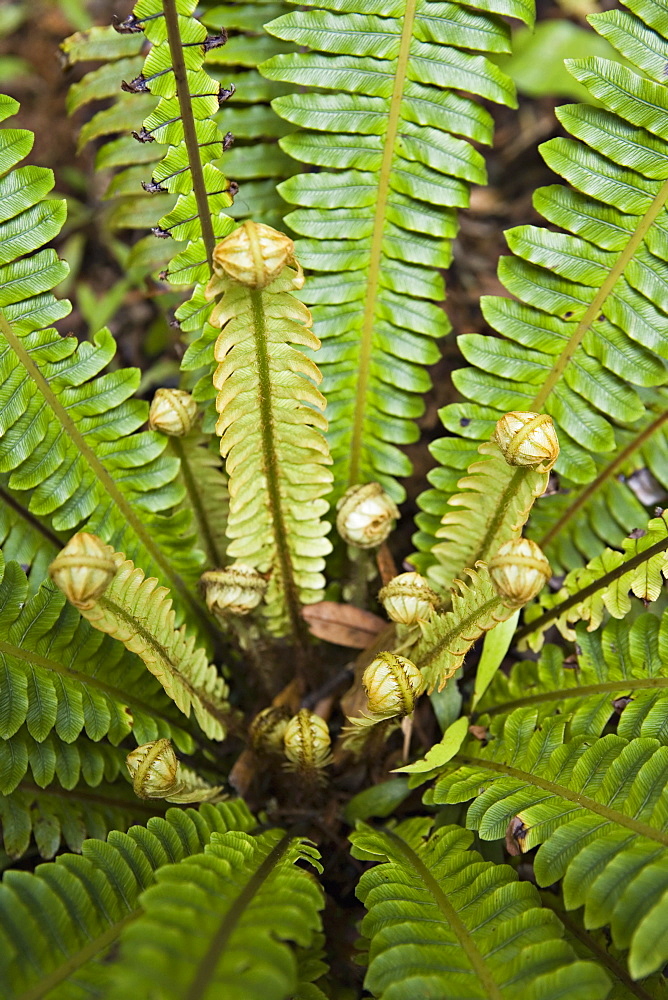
(343, 624)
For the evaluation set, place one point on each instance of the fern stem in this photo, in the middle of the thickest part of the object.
(33, 521)
(83, 955)
(637, 560)
(461, 931)
(214, 557)
(368, 321)
(594, 308)
(207, 966)
(271, 469)
(602, 477)
(99, 470)
(599, 808)
(562, 694)
(600, 953)
(189, 129)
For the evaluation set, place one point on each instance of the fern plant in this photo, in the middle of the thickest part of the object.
(154, 647)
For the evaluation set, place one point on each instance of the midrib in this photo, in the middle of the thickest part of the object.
(377, 244)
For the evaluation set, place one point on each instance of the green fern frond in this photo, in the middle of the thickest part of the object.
(621, 669)
(255, 161)
(596, 945)
(644, 580)
(58, 674)
(443, 922)
(446, 639)
(586, 337)
(138, 612)
(67, 438)
(176, 98)
(573, 523)
(25, 538)
(53, 757)
(311, 967)
(596, 807)
(380, 217)
(184, 119)
(220, 923)
(59, 922)
(270, 424)
(128, 204)
(58, 814)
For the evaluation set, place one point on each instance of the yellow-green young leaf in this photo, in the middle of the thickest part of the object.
(476, 608)
(492, 507)
(270, 423)
(206, 493)
(138, 612)
(494, 648)
(441, 752)
(644, 581)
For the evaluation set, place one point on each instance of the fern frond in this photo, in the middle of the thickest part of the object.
(238, 906)
(643, 579)
(68, 814)
(181, 193)
(128, 204)
(183, 119)
(387, 138)
(25, 538)
(443, 922)
(59, 923)
(496, 503)
(88, 466)
(270, 424)
(58, 674)
(621, 669)
(571, 524)
(255, 161)
(53, 757)
(138, 612)
(311, 968)
(597, 945)
(445, 639)
(586, 336)
(596, 807)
